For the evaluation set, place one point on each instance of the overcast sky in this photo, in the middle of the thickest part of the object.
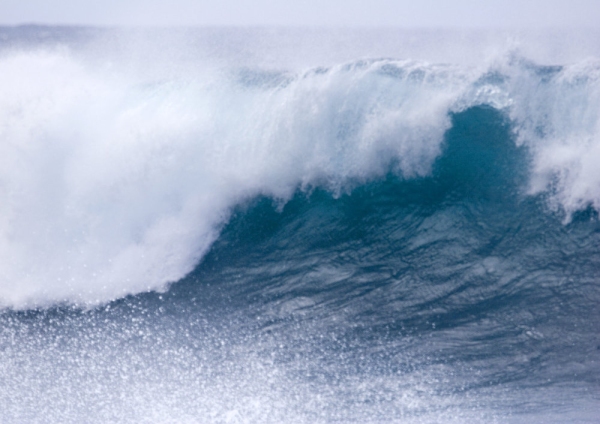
(397, 13)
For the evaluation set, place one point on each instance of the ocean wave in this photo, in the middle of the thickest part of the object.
(113, 183)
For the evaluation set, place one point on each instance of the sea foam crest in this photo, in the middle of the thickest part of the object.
(557, 110)
(112, 184)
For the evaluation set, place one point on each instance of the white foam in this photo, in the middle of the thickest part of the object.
(558, 116)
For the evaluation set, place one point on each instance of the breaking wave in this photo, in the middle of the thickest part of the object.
(118, 184)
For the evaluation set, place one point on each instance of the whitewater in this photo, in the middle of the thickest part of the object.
(285, 225)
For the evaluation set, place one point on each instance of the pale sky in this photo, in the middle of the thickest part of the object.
(337, 13)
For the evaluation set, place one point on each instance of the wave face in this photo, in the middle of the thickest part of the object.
(377, 240)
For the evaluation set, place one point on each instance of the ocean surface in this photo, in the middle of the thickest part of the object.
(270, 225)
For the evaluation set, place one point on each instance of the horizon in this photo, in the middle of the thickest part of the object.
(428, 14)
